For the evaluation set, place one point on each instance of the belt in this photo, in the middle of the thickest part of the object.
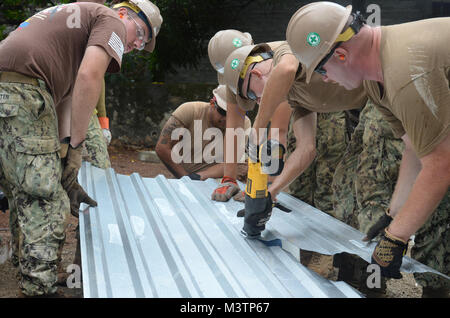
(13, 77)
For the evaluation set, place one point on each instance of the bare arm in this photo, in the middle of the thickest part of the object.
(86, 91)
(301, 157)
(214, 171)
(429, 188)
(235, 119)
(164, 147)
(280, 121)
(276, 89)
(409, 169)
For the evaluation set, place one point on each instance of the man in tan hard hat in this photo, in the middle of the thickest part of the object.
(222, 44)
(220, 47)
(273, 77)
(47, 97)
(404, 69)
(198, 119)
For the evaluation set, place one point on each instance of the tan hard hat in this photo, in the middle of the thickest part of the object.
(223, 43)
(236, 66)
(220, 93)
(313, 30)
(152, 14)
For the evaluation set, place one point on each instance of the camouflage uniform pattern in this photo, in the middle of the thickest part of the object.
(30, 175)
(365, 179)
(96, 147)
(314, 185)
(432, 247)
(331, 144)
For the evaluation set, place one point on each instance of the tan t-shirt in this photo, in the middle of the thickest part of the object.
(194, 117)
(318, 96)
(51, 44)
(415, 59)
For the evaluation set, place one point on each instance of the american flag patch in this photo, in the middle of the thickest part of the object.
(116, 44)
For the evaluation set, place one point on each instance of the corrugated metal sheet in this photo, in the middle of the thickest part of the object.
(158, 237)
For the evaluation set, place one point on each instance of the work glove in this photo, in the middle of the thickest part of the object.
(272, 157)
(71, 161)
(107, 135)
(104, 124)
(240, 196)
(3, 202)
(388, 254)
(77, 196)
(376, 229)
(228, 188)
(194, 176)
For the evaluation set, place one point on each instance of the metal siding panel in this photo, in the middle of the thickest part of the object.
(158, 237)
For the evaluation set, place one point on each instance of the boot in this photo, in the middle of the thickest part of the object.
(319, 263)
(353, 271)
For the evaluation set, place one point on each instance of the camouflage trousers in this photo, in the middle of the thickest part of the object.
(30, 174)
(314, 185)
(363, 185)
(432, 246)
(365, 179)
(96, 147)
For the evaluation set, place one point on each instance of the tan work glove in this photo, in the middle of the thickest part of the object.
(71, 160)
(240, 196)
(77, 196)
(228, 187)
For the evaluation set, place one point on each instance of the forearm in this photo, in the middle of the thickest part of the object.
(409, 169)
(165, 155)
(85, 96)
(305, 150)
(280, 122)
(101, 105)
(296, 164)
(214, 171)
(235, 120)
(427, 191)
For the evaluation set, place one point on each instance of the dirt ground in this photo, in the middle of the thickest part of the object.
(124, 160)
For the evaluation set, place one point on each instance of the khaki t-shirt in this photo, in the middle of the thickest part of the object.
(415, 59)
(51, 44)
(318, 96)
(194, 117)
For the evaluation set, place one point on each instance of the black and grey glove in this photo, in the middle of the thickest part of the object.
(378, 228)
(194, 176)
(388, 254)
(272, 157)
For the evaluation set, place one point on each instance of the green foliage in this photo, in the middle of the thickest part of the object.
(188, 25)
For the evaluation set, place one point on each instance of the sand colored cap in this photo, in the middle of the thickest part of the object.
(313, 30)
(223, 43)
(152, 15)
(220, 93)
(237, 65)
